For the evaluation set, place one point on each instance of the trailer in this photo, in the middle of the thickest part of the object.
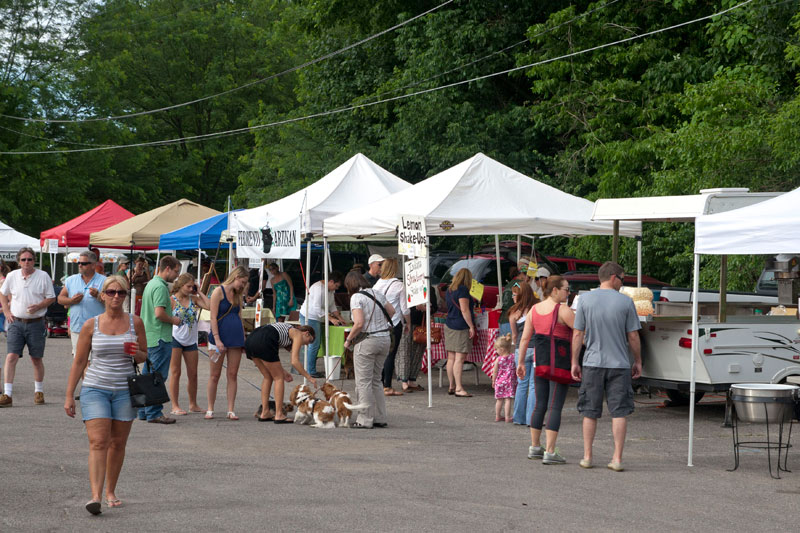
(751, 346)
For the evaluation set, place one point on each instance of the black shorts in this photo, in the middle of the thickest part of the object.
(263, 344)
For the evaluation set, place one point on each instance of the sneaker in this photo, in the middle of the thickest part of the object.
(5, 400)
(616, 467)
(585, 463)
(554, 458)
(535, 452)
(38, 398)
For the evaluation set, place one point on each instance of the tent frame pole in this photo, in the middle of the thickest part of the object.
(327, 303)
(695, 350)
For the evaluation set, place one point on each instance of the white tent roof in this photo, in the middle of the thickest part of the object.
(677, 208)
(768, 227)
(478, 197)
(11, 240)
(357, 181)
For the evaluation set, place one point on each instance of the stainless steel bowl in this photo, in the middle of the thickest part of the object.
(764, 402)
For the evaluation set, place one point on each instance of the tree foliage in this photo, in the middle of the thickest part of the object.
(710, 104)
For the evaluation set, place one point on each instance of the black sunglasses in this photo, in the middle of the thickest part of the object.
(619, 278)
(111, 293)
(84, 263)
(25, 259)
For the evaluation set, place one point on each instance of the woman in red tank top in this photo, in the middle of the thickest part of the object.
(550, 395)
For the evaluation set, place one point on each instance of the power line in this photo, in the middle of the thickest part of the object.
(506, 49)
(48, 139)
(248, 129)
(229, 91)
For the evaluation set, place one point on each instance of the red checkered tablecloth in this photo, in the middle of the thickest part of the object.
(482, 349)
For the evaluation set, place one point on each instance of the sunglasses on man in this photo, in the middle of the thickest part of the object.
(84, 263)
(25, 259)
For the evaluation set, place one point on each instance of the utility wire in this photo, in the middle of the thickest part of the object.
(238, 131)
(48, 139)
(229, 91)
(506, 49)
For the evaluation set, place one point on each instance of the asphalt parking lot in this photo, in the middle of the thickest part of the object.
(447, 468)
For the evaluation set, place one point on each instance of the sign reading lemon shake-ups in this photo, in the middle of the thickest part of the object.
(412, 239)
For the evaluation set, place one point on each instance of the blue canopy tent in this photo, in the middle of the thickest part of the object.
(199, 236)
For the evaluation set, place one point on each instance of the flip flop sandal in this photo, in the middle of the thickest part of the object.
(264, 419)
(451, 391)
(209, 415)
(231, 416)
(114, 503)
(94, 507)
(177, 412)
(467, 395)
(284, 421)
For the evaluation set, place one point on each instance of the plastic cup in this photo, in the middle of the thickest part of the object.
(131, 345)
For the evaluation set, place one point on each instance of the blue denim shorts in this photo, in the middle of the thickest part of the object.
(101, 403)
(30, 334)
(185, 348)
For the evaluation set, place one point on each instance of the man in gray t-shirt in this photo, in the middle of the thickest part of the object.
(607, 321)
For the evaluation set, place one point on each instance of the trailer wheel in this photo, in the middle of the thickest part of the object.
(678, 397)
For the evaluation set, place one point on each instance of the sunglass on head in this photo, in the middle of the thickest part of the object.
(112, 293)
(516, 284)
(26, 259)
(84, 263)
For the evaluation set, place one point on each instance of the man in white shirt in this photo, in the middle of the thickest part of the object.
(313, 313)
(31, 292)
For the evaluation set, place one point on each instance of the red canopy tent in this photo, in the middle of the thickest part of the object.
(75, 233)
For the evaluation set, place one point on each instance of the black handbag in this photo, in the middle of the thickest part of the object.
(553, 355)
(147, 389)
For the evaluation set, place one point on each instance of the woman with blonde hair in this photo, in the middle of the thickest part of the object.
(187, 301)
(393, 289)
(227, 336)
(117, 340)
(459, 330)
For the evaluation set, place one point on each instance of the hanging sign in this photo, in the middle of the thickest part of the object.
(50, 246)
(259, 307)
(412, 239)
(416, 275)
(264, 237)
(476, 291)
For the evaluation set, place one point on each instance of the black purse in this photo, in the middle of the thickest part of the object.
(147, 389)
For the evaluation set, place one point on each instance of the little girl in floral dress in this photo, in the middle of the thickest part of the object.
(504, 378)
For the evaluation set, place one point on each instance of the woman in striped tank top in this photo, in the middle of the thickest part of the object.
(116, 340)
(262, 348)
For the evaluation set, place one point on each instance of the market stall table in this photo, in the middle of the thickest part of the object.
(248, 318)
(482, 350)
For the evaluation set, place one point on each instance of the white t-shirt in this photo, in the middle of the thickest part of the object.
(314, 305)
(394, 290)
(28, 291)
(374, 319)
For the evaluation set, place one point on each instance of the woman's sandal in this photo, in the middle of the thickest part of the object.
(177, 412)
(265, 419)
(231, 416)
(284, 421)
(114, 503)
(94, 507)
(209, 415)
(451, 391)
(388, 391)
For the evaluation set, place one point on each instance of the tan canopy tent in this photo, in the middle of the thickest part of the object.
(143, 232)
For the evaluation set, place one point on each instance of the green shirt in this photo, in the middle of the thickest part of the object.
(156, 294)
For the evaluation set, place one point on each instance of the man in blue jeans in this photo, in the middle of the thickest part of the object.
(158, 321)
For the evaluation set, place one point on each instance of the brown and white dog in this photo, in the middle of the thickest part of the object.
(310, 408)
(342, 403)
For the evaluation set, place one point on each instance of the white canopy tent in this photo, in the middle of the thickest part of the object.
(12, 240)
(357, 181)
(479, 196)
(768, 227)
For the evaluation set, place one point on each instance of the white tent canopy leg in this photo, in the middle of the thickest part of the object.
(308, 289)
(327, 303)
(695, 336)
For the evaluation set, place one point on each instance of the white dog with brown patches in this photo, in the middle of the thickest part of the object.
(310, 408)
(342, 403)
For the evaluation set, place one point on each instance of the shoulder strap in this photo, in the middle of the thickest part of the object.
(385, 312)
(230, 305)
(555, 318)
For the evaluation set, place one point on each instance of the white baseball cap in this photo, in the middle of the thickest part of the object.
(375, 258)
(542, 273)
